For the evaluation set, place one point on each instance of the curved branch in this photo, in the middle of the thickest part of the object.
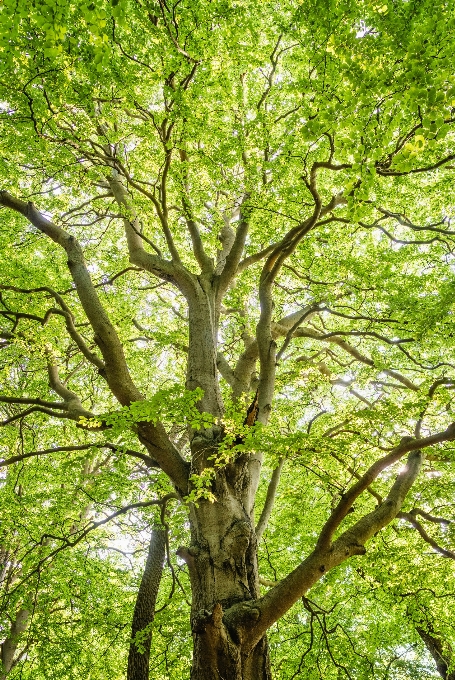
(81, 447)
(395, 173)
(35, 409)
(410, 517)
(35, 402)
(69, 320)
(407, 444)
(173, 271)
(279, 599)
(116, 371)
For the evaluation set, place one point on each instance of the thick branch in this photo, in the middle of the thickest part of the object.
(354, 352)
(173, 271)
(225, 369)
(116, 370)
(9, 646)
(235, 253)
(271, 269)
(36, 402)
(72, 401)
(406, 445)
(277, 601)
(442, 658)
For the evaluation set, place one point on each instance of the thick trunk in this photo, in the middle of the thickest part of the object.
(202, 368)
(217, 657)
(222, 561)
(222, 557)
(144, 611)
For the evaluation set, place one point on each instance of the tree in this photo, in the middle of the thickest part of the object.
(227, 240)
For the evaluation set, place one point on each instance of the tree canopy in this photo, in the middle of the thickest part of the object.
(227, 336)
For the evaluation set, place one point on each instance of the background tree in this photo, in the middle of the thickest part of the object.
(228, 258)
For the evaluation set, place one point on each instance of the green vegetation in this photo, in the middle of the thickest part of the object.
(227, 334)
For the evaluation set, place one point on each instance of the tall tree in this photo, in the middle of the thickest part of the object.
(228, 249)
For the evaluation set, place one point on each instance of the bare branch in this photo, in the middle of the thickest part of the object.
(82, 447)
(411, 518)
(269, 501)
(69, 319)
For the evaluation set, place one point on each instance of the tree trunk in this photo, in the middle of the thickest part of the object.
(202, 371)
(442, 658)
(9, 647)
(144, 611)
(222, 561)
(222, 557)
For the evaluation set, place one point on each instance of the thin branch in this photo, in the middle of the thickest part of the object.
(411, 518)
(69, 320)
(269, 500)
(82, 447)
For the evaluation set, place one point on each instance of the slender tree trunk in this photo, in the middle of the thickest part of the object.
(9, 646)
(442, 658)
(144, 611)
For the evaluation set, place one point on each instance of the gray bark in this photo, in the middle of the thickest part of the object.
(269, 501)
(222, 562)
(443, 658)
(144, 611)
(10, 645)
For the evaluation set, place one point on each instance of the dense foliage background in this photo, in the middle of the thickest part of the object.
(206, 110)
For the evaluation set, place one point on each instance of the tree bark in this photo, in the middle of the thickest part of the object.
(222, 562)
(202, 370)
(9, 646)
(144, 611)
(442, 657)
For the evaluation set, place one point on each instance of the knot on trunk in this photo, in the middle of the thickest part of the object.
(237, 540)
(240, 618)
(355, 549)
(204, 444)
(205, 618)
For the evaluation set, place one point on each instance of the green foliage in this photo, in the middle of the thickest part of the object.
(172, 405)
(254, 93)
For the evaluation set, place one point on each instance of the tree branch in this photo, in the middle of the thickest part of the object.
(204, 261)
(69, 320)
(278, 600)
(410, 517)
(269, 501)
(116, 371)
(81, 447)
(235, 253)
